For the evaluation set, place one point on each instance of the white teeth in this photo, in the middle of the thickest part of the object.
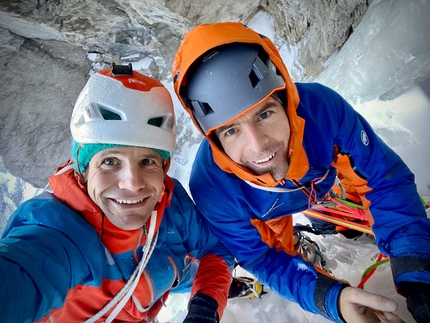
(129, 201)
(265, 159)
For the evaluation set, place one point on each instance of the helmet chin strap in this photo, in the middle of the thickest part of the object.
(126, 292)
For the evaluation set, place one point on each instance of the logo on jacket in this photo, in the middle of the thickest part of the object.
(274, 206)
(364, 138)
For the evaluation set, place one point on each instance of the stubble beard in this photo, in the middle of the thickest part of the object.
(277, 171)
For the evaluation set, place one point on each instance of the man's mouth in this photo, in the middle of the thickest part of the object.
(264, 160)
(129, 201)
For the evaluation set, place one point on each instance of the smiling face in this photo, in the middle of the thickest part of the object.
(126, 183)
(258, 139)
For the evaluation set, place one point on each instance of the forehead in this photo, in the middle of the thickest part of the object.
(268, 103)
(127, 151)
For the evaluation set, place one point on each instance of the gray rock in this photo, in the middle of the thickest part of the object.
(45, 48)
(318, 28)
(40, 83)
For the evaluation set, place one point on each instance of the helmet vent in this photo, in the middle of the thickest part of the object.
(258, 72)
(109, 115)
(158, 121)
(166, 122)
(201, 108)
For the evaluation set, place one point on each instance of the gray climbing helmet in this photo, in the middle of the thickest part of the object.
(227, 81)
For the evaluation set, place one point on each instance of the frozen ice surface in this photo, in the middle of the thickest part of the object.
(385, 55)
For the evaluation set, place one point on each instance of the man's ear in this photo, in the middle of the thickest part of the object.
(166, 165)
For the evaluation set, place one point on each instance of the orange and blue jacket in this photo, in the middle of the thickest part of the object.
(328, 137)
(61, 260)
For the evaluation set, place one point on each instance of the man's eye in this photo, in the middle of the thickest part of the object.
(109, 161)
(230, 132)
(264, 115)
(147, 161)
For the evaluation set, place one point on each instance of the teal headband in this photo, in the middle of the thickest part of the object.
(82, 154)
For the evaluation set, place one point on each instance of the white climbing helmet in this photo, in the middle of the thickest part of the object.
(123, 107)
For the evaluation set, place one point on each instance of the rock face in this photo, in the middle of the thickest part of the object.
(318, 28)
(48, 48)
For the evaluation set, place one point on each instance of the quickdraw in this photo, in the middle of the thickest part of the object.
(344, 213)
(341, 213)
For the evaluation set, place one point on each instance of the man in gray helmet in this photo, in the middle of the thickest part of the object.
(114, 234)
(273, 148)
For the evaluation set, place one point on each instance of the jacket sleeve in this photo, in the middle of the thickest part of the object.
(35, 263)
(286, 274)
(213, 277)
(388, 191)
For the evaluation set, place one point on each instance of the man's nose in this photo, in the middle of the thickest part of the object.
(131, 178)
(255, 139)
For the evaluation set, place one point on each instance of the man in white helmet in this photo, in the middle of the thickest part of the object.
(273, 148)
(114, 234)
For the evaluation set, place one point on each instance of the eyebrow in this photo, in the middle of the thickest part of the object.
(112, 151)
(257, 113)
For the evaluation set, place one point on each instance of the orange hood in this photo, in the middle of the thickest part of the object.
(208, 36)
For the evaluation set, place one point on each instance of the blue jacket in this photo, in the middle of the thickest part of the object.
(333, 131)
(60, 261)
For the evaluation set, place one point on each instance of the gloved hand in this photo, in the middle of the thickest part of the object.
(202, 309)
(418, 300)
